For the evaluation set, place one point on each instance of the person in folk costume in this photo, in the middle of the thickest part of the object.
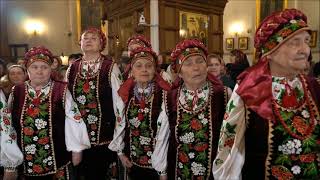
(50, 130)
(137, 40)
(10, 154)
(93, 81)
(140, 40)
(143, 144)
(196, 108)
(271, 128)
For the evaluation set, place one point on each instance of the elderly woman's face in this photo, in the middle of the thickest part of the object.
(90, 42)
(292, 56)
(39, 73)
(16, 75)
(143, 70)
(194, 71)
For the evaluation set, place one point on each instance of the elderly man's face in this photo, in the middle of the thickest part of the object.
(292, 56)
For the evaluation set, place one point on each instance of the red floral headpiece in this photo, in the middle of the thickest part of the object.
(143, 52)
(139, 39)
(39, 53)
(140, 52)
(277, 28)
(146, 53)
(102, 36)
(185, 49)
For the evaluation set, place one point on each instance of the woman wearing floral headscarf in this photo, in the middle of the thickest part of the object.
(196, 109)
(143, 143)
(51, 133)
(271, 128)
(93, 81)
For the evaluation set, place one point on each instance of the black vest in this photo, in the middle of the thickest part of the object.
(105, 96)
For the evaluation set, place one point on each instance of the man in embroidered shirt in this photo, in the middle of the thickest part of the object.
(270, 128)
(48, 121)
(94, 81)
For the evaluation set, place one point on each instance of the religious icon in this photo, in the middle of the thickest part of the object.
(193, 25)
(229, 44)
(243, 43)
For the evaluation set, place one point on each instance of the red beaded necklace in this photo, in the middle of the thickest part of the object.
(311, 126)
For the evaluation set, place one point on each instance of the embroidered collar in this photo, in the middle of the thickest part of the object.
(279, 87)
(90, 68)
(42, 93)
(194, 100)
(143, 92)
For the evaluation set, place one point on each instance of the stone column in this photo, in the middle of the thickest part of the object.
(4, 48)
(154, 23)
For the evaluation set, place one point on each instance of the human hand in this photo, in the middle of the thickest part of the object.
(76, 158)
(125, 161)
(10, 175)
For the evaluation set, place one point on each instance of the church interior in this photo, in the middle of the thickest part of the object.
(223, 25)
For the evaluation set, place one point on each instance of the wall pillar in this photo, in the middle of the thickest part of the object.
(154, 23)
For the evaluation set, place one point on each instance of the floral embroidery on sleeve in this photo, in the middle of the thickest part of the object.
(119, 119)
(6, 126)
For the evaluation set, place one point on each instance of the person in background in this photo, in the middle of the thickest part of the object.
(196, 108)
(316, 70)
(52, 133)
(163, 72)
(223, 68)
(123, 62)
(93, 81)
(73, 57)
(271, 128)
(5, 86)
(56, 69)
(172, 75)
(57, 62)
(239, 62)
(63, 72)
(21, 62)
(16, 75)
(308, 71)
(137, 40)
(215, 67)
(3, 69)
(142, 143)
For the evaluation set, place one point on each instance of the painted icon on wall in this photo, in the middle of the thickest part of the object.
(229, 44)
(193, 25)
(243, 43)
